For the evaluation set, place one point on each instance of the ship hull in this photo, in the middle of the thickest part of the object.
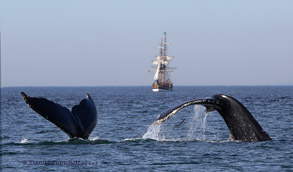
(162, 87)
(161, 90)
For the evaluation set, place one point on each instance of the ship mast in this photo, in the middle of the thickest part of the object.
(164, 58)
(160, 58)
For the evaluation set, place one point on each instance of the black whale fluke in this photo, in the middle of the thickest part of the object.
(79, 122)
(242, 125)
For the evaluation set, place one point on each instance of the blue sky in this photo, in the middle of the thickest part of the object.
(112, 42)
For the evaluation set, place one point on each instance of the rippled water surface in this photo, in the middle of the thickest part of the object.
(123, 139)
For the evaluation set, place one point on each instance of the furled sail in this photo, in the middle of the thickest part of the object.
(155, 62)
(165, 62)
(170, 58)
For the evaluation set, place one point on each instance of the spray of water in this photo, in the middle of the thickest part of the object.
(198, 124)
(196, 131)
(24, 140)
(154, 133)
(94, 138)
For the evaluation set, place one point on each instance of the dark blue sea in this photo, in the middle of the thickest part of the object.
(124, 139)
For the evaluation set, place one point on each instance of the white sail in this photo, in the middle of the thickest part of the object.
(170, 58)
(165, 62)
(156, 77)
(159, 57)
(155, 62)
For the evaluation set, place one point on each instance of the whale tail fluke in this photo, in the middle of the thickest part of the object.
(241, 123)
(79, 122)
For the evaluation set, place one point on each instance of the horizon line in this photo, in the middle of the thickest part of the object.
(264, 85)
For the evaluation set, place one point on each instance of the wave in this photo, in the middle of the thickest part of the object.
(96, 140)
(73, 141)
(175, 140)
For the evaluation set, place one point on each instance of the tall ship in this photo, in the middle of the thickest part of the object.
(162, 81)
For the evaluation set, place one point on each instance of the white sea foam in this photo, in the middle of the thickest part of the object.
(94, 138)
(132, 139)
(24, 140)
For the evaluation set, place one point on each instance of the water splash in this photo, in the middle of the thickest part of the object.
(94, 138)
(154, 133)
(24, 140)
(198, 124)
(197, 129)
(132, 139)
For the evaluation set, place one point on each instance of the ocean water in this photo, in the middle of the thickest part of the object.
(124, 139)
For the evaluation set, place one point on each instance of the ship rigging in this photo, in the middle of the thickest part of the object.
(162, 81)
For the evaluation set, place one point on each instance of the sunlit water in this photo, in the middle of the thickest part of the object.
(125, 139)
